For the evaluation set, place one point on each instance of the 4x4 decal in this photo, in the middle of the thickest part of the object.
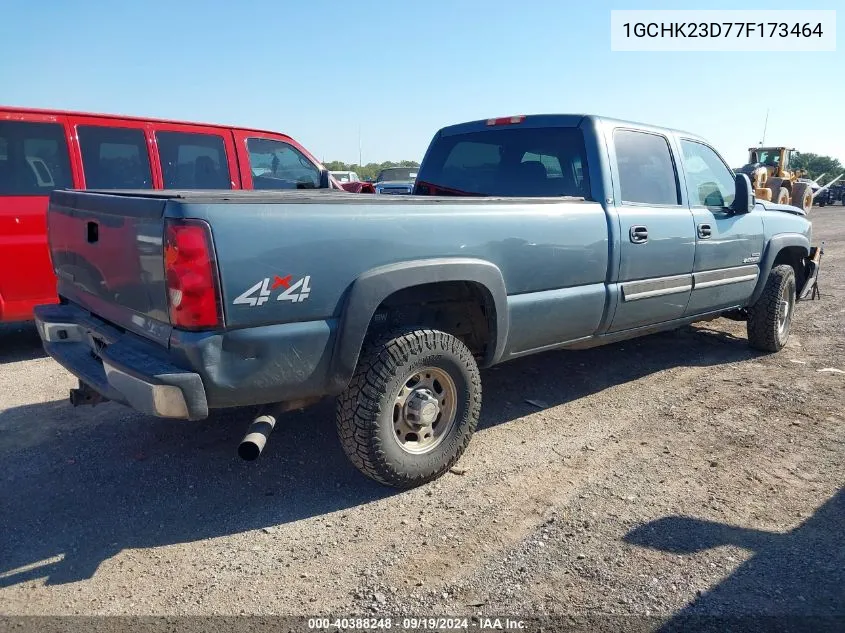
(259, 294)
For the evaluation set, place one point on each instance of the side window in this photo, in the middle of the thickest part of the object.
(709, 181)
(193, 161)
(646, 172)
(277, 165)
(33, 158)
(114, 158)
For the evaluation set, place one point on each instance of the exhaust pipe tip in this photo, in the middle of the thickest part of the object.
(250, 450)
(255, 440)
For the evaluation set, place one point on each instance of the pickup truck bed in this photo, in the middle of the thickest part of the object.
(179, 302)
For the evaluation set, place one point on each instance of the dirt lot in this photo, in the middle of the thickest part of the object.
(674, 475)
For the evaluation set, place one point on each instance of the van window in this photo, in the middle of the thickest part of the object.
(277, 165)
(517, 161)
(646, 172)
(710, 182)
(114, 158)
(193, 161)
(33, 158)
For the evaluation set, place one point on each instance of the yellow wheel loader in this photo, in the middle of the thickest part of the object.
(773, 178)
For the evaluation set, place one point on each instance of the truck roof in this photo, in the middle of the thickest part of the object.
(127, 117)
(555, 120)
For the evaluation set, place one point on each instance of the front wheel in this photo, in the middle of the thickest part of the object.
(411, 408)
(770, 318)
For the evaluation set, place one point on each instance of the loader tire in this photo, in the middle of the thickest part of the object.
(770, 318)
(411, 408)
(774, 183)
(802, 196)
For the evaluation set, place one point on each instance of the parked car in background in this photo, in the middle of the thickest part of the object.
(345, 176)
(396, 180)
(42, 150)
(823, 197)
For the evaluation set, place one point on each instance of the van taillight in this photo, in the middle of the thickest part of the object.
(190, 270)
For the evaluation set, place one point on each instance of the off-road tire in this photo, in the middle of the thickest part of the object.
(364, 414)
(799, 192)
(764, 330)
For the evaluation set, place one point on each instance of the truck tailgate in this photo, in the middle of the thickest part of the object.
(107, 253)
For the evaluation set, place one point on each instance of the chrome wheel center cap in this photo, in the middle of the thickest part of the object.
(422, 408)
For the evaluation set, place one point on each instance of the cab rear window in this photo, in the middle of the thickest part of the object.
(526, 162)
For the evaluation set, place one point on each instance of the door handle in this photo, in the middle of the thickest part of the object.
(638, 234)
(704, 231)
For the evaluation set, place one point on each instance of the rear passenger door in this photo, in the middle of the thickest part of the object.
(194, 157)
(728, 246)
(656, 231)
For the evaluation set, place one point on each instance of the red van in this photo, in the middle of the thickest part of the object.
(42, 150)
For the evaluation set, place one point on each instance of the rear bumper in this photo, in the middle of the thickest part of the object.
(120, 366)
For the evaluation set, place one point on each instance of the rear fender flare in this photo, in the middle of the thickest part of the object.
(372, 287)
(774, 246)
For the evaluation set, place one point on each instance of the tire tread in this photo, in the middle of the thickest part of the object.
(359, 407)
(762, 316)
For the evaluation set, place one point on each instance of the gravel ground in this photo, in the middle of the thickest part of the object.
(675, 475)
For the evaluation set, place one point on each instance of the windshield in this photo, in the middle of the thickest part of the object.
(397, 173)
(528, 162)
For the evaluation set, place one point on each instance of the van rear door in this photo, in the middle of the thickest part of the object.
(34, 160)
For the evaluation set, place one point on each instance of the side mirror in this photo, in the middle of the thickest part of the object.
(325, 181)
(744, 198)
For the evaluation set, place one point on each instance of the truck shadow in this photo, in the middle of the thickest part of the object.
(793, 581)
(18, 342)
(80, 485)
(554, 378)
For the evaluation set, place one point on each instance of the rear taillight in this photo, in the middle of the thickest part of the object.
(506, 120)
(192, 288)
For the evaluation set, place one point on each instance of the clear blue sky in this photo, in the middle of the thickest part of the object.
(318, 70)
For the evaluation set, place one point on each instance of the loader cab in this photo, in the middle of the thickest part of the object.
(776, 160)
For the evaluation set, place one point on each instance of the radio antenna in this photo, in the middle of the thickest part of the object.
(765, 126)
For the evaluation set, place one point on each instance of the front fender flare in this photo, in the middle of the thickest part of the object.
(774, 246)
(372, 287)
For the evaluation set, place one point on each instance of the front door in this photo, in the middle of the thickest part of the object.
(656, 231)
(728, 246)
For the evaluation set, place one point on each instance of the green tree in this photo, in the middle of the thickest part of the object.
(816, 165)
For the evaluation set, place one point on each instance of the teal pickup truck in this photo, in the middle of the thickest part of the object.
(523, 234)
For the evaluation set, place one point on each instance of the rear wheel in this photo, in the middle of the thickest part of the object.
(770, 318)
(411, 407)
(802, 196)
